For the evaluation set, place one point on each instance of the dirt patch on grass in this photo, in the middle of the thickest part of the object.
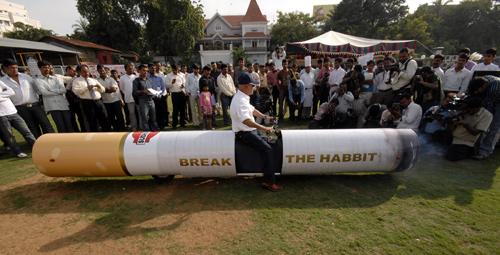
(64, 216)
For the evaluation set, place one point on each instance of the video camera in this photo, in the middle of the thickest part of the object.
(448, 113)
(394, 68)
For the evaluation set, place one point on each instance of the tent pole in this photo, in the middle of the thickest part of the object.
(425, 47)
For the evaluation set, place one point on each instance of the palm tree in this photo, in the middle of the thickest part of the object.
(80, 29)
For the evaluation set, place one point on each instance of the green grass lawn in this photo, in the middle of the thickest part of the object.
(438, 207)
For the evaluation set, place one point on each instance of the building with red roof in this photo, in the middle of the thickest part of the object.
(89, 52)
(226, 32)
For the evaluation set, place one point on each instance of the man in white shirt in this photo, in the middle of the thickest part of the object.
(336, 76)
(278, 55)
(245, 128)
(74, 102)
(345, 99)
(457, 79)
(52, 90)
(469, 64)
(411, 115)
(175, 84)
(381, 81)
(487, 64)
(8, 119)
(227, 89)
(90, 91)
(193, 92)
(26, 99)
(407, 69)
(436, 66)
(112, 100)
(126, 86)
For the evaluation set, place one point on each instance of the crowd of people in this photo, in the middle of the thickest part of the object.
(457, 107)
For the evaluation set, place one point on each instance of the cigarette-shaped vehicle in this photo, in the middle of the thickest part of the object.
(218, 154)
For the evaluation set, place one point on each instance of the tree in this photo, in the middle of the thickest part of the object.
(238, 53)
(367, 18)
(168, 27)
(173, 26)
(414, 27)
(80, 30)
(292, 27)
(474, 24)
(115, 23)
(27, 32)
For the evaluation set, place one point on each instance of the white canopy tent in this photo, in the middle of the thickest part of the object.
(335, 43)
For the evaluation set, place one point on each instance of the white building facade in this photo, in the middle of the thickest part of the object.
(225, 33)
(11, 13)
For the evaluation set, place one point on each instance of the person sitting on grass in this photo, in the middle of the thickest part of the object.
(467, 129)
(325, 116)
(373, 115)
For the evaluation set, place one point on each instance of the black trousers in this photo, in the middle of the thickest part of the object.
(315, 104)
(63, 121)
(458, 152)
(36, 119)
(161, 109)
(255, 141)
(276, 94)
(294, 107)
(179, 111)
(115, 115)
(95, 115)
(77, 120)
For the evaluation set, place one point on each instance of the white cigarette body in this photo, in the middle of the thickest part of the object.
(217, 154)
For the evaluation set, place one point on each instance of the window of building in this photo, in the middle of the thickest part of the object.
(218, 27)
(254, 44)
(254, 30)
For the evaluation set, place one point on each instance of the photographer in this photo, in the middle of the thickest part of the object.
(437, 119)
(410, 115)
(407, 69)
(343, 110)
(467, 129)
(382, 83)
(488, 89)
(388, 119)
(427, 88)
(325, 116)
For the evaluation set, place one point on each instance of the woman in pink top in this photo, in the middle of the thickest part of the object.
(206, 103)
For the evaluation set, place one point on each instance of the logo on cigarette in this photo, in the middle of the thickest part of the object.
(142, 138)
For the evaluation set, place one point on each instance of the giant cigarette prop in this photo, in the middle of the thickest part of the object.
(212, 153)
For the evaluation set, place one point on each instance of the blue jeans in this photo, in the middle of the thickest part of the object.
(488, 140)
(148, 115)
(6, 124)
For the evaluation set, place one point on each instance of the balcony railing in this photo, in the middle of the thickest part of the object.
(216, 47)
(254, 49)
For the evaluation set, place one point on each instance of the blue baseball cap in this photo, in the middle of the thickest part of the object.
(245, 79)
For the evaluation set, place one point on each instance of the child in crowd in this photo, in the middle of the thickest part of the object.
(206, 103)
(264, 103)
